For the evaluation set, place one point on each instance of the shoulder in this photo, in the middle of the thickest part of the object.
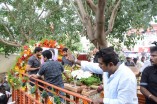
(63, 57)
(148, 69)
(126, 71)
(54, 63)
(31, 58)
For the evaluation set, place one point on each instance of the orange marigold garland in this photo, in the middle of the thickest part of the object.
(28, 51)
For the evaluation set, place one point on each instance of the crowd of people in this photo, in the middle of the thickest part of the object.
(119, 82)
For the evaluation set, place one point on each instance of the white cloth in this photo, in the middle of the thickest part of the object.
(139, 65)
(120, 87)
(7, 93)
(146, 64)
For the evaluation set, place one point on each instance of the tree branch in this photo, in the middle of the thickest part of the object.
(7, 30)
(9, 43)
(112, 18)
(92, 5)
(41, 13)
(9, 10)
(77, 12)
(100, 19)
(86, 20)
(22, 32)
(51, 12)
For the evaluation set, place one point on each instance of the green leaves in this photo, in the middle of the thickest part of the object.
(90, 81)
(44, 94)
(28, 20)
(33, 89)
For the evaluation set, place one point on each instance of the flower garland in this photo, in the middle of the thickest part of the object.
(20, 65)
(21, 62)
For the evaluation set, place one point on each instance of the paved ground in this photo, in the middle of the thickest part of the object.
(6, 63)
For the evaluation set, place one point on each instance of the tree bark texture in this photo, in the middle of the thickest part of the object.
(97, 32)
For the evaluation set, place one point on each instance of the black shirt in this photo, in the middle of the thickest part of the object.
(149, 81)
(3, 99)
(34, 63)
(66, 61)
(52, 71)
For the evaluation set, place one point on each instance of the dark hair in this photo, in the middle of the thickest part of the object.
(2, 89)
(128, 57)
(135, 60)
(47, 54)
(37, 49)
(108, 55)
(4, 97)
(52, 50)
(65, 49)
(153, 49)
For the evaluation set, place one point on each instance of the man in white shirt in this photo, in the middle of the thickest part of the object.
(119, 81)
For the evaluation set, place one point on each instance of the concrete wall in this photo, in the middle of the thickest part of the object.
(6, 63)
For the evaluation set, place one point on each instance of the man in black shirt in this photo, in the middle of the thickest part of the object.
(64, 58)
(51, 70)
(33, 64)
(148, 84)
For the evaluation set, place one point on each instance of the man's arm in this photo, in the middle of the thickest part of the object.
(144, 84)
(35, 76)
(145, 92)
(87, 66)
(29, 64)
(77, 62)
(138, 75)
(28, 68)
(66, 75)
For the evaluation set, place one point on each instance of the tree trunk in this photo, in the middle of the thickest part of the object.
(100, 42)
(97, 32)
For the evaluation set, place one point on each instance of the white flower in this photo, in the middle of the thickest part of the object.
(25, 55)
(80, 74)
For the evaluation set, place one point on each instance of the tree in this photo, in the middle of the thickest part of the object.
(26, 20)
(104, 20)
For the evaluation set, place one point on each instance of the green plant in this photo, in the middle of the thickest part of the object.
(33, 89)
(44, 94)
(90, 81)
(57, 100)
(13, 80)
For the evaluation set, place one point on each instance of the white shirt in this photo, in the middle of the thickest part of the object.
(119, 88)
(139, 65)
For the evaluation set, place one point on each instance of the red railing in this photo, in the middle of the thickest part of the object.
(23, 97)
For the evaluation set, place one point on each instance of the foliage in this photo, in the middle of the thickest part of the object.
(130, 14)
(27, 51)
(24, 80)
(44, 94)
(33, 89)
(13, 79)
(56, 98)
(27, 20)
(90, 80)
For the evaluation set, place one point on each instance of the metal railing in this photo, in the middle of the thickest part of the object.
(23, 97)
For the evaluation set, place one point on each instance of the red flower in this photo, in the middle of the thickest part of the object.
(22, 58)
(25, 47)
(24, 80)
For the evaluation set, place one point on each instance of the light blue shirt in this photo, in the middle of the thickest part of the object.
(120, 87)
